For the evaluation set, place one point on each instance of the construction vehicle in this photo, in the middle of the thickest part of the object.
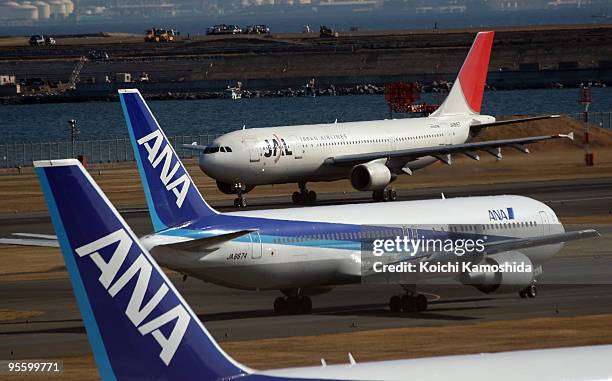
(160, 35)
(326, 31)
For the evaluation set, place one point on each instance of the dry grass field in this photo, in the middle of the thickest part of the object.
(402, 343)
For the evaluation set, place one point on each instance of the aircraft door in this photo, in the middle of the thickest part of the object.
(411, 231)
(448, 134)
(254, 152)
(255, 245)
(545, 223)
(296, 147)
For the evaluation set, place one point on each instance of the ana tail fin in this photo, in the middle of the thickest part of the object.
(172, 197)
(466, 95)
(138, 325)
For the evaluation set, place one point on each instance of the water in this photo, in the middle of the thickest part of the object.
(104, 120)
(291, 19)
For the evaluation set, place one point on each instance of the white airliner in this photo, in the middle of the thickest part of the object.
(140, 327)
(305, 251)
(371, 153)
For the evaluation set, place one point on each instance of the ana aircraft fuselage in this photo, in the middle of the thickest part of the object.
(322, 246)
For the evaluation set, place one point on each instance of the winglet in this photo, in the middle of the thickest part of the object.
(569, 136)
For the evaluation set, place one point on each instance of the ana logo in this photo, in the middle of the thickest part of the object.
(180, 185)
(277, 149)
(135, 310)
(501, 214)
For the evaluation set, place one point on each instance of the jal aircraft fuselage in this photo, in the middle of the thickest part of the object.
(291, 154)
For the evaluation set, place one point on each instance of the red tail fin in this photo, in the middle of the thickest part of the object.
(466, 94)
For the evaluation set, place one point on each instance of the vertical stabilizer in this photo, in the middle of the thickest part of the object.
(138, 324)
(172, 197)
(465, 98)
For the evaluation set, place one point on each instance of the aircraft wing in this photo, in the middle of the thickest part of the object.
(522, 243)
(193, 146)
(32, 239)
(443, 152)
(514, 121)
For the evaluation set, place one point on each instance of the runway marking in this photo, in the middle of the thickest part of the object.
(581, 199)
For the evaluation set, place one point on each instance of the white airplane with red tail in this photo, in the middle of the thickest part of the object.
(370, 153)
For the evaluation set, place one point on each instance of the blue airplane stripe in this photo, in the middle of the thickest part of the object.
(97, 344)
(338, 244)
(157, 222)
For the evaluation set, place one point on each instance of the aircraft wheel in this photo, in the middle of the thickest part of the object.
(296, 198)
(376, 196)
(293, 305)
(305, 304)
(236, 202)
(395, 303)
(531, 291)
(408, 304)
(392, 195)
(421, 302)
(312, 197)
(280, 305)
(522, 294)
(242, 203)
(384, 196)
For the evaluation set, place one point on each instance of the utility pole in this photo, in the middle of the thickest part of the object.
(586, 99)
(72, 125)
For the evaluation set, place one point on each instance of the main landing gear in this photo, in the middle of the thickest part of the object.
(304, 196)
(530, 291)
(410, 301)
(387, 194)
(240, 201)
(293, 303)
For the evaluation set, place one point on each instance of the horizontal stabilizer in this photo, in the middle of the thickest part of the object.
(514, 121)
(36, 235)
(195, 147)
(29, 242)
(207, 243)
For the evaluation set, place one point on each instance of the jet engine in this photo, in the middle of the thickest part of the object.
(370, 176)
(230, 189)
(501, 281)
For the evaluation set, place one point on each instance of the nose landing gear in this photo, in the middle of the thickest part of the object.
(304, 196)
(410, 301)
(530, 291)
(240, 201)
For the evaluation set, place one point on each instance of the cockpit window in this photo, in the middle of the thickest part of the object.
(214, 149)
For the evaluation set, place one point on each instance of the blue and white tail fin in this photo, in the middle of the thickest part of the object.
(172, 197)
(138, 324)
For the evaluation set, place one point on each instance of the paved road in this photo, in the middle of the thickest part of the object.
(578, 282)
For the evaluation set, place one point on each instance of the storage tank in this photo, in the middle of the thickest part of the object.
(58, 8)
(15, 11)
(69, 6)
(44, 10)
